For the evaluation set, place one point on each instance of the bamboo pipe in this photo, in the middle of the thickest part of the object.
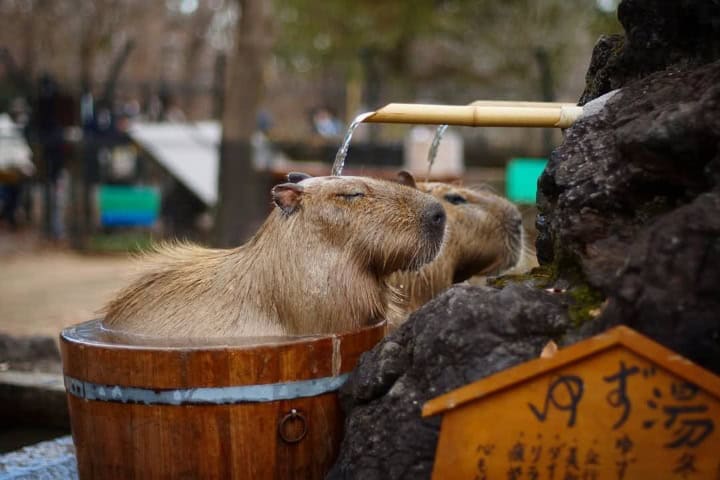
(507, 115)
(513, 103)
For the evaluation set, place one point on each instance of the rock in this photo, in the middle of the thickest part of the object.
(33, 400)
(626, 200)
(463, 335)
(658, 34)
(600, 77)
(669, 287)
(37, 353)
(650, 150)
(49, 460)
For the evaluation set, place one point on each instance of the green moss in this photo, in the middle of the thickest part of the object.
(586, 302)
(539, 277)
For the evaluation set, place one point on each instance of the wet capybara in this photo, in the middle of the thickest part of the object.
(485, 237)
(317, 265)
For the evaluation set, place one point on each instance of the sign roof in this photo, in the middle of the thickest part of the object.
(621, 335)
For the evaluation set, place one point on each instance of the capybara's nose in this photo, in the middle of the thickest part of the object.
(434, 217)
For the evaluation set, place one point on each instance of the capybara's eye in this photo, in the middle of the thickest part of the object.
(350, 196)
(455, 199)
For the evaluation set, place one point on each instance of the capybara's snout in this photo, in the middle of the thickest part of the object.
(433, 221)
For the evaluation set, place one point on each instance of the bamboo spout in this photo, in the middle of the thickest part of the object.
(514, 103)
(483, 114)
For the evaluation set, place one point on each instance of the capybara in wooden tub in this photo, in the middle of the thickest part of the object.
(225, 363)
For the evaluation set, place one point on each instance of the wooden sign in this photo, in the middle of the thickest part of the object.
(616, 406)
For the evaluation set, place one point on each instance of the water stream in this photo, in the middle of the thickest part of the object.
(432, 153)
(339, 163)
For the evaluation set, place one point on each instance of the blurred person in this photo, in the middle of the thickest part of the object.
(326, 124)
(15, 167)
(9, 202)
(262, 149)
(45, 126)
(264, 121)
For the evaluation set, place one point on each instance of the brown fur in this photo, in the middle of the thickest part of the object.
(317, 265)
(484, 237)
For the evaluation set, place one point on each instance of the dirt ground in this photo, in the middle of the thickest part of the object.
(46, 288)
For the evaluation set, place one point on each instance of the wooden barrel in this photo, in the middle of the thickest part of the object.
(232, 408)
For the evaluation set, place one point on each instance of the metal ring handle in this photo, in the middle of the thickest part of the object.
(293, 415)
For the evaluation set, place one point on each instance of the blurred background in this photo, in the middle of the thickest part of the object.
(123, 122)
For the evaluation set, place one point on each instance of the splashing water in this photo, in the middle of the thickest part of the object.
(339, 163)
(432, 153)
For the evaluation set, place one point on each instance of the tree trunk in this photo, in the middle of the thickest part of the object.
(29, 55)
(373, 80)
(17, 76)
(219, 70)
(194, 52)
(114, 72)
(87, 60)
(548, 93)
(242, 190)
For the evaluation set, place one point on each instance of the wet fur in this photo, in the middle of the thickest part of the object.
(319, 268)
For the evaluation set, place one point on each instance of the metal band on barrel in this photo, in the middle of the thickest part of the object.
(204, 395)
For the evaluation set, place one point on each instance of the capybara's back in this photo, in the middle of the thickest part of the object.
(318, 264)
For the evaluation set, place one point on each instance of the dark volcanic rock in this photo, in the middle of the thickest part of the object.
(600, 77)
(630, 199)
(669, 287)
(627, 200)
(652, 149)
(658, 33)
(465, 334)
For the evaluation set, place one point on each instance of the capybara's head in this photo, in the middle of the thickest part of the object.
(385, 226)
(485, 232)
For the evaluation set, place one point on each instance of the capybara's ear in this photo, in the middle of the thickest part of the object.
(406, 178)
(287, 196)
(297, 177)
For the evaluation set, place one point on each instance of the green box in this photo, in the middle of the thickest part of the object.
(521, 178)
(128, 205)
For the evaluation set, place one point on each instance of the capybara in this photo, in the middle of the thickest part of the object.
(485, 237)
(318, 264)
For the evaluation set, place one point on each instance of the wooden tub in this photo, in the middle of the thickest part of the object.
(231, 408)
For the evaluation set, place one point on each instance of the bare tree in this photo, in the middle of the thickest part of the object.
(242, 202)
(195, 47)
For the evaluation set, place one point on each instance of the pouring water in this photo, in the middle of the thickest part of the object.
(339, 163)
(432, 153)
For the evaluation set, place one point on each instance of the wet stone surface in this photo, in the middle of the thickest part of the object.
(50, 460)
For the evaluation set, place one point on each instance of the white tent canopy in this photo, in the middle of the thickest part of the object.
(15, 155)
(188, 151)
